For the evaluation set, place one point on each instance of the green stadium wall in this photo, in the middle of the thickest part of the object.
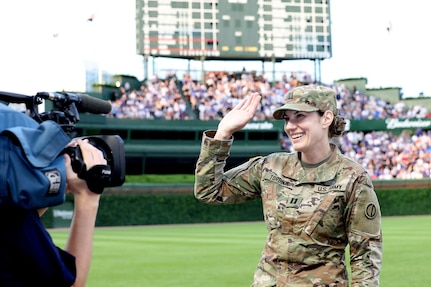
(175, 204)
(170, 146)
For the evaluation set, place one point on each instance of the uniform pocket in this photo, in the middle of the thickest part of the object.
(326, 219)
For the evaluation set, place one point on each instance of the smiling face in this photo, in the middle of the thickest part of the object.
(308, 132)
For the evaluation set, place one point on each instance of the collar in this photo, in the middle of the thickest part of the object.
(324, 173)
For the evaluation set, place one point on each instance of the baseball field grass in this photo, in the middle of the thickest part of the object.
(226, 254)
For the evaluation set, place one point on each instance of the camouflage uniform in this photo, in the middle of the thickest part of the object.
(312, 213)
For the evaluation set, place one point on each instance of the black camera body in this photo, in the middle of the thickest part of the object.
(66, 114)
(113, 174)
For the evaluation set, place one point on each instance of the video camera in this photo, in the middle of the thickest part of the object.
(65, 113)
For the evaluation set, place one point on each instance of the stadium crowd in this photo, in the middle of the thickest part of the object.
(383, 154)
(386, 156)
(210, 100)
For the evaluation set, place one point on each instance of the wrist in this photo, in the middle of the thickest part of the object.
(87, 199)
(222, 135)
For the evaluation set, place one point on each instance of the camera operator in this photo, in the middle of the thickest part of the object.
(28, 255)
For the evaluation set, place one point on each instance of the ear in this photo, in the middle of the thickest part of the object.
(327, 119)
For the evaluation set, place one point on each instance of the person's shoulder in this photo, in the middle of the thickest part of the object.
(282, 156)
(351, 164)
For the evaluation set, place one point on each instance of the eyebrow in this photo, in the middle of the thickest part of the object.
(294, 112)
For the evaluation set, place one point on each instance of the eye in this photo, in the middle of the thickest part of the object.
(295, 118)
(298, 117)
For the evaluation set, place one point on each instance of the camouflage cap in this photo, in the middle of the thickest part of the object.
(308, 99)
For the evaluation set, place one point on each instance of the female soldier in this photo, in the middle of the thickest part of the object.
(315, 200)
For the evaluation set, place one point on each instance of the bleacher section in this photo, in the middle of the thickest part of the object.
(165, 146)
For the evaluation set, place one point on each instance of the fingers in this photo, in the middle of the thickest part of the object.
(238, 117)
(252, 102)
(76, 142)
(249, 103)
(255, 100)
(91, 155)
(67, 160)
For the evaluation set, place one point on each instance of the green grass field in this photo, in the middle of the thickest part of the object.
(226, 254)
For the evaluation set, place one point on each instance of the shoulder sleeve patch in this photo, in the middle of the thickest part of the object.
(371, 210)
(366, 217)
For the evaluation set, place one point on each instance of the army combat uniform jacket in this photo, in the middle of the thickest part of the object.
(312, 213)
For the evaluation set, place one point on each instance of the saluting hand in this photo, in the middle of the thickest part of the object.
(238, 117)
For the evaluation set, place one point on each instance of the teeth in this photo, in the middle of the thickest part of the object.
(297, 136)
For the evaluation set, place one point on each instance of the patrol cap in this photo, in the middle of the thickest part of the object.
(308, 99)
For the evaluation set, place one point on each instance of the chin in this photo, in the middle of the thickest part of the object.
(298, 147)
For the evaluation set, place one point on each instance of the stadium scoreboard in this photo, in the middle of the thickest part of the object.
(234, 29)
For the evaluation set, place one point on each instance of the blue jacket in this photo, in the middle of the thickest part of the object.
(32, 176)
(32, 169)
(28, 256)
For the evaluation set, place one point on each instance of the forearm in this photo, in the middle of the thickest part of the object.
(222, 135)
(80, 241)
(365, 235)
(366, 265)
(209, 167)
(214, 185)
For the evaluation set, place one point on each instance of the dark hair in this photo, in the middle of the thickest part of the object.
(337, 126)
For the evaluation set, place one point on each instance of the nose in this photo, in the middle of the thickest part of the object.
(288, 125)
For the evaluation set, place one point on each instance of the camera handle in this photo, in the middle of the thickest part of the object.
(97, 177)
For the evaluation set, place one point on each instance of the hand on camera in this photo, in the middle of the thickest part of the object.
(91, 156)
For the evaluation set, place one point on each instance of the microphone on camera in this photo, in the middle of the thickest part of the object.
(84, 103)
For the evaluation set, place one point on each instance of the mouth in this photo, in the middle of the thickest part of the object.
(295, 137)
